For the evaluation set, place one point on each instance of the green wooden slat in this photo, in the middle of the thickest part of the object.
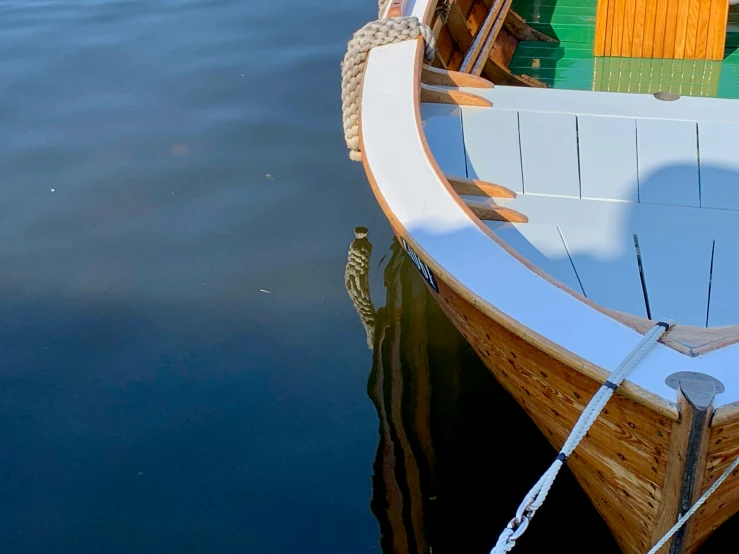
(570, 64)
(567, 33)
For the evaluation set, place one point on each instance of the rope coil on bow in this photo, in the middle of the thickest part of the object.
(375, 33)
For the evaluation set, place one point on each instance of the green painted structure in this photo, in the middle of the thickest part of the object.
(569, 63)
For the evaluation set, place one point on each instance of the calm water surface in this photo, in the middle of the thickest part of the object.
(182, 369)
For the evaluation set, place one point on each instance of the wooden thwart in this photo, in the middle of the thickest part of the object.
(490, 212)
(440, 95)
(476, 187)
(439, 77)
(672, 29)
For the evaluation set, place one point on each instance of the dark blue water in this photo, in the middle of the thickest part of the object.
(182, 370)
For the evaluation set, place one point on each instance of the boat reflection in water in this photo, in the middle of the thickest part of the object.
(456, 453)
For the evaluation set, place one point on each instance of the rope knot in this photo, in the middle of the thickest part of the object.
(374, 33)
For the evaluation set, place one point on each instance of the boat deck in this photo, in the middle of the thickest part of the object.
(570, 64)
(646, 222)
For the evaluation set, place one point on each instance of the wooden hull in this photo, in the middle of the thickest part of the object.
(624, 463)
(650, 455)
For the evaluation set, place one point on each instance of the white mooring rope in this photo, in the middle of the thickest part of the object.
(536, 496)
(375, 33)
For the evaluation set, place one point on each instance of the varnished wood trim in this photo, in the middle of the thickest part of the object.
(726, 415)
(649, 400)
(491, 212)
(439, 77)
(481, 40)
(531, 82)
(492, 36)
(686, 466)
(517, 26)
(476, 187)
(498, 73)
(689, 340)
(440, 95)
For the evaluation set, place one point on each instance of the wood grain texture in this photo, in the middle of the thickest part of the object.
(670, 505)
(610, 14)
(487, 211)
(681, 27)
(631, 462)
(692, 30)
(723, 448)
(617, 27)
(601, 17)
(480, 37)
(491, 37)
(516, 25)
(685, 469)
(650, 22)
(504, 48)
(640, 16)
(671, 29)
(717, 28)
(620, 465)
(627, 35)
(439, 77)
(484, 33)
(441, 95)
(477, 187)
(660, 24)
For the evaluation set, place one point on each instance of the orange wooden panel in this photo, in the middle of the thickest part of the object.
(701, 40)
(670, 25)
(640, 13)
(681, 29)
(601, 16)
(717, 30)
(691, 34)
(618, 27)
(660, 25)
(628, 28)
(670, 29)
(650, 19)
(609, 27)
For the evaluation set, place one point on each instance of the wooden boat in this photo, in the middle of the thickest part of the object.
(558, 201)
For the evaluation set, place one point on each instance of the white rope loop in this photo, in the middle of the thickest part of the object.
(375, 33)
(536, 496)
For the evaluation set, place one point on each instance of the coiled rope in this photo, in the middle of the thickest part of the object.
(375, 33)
(356, 280)
(536, 496)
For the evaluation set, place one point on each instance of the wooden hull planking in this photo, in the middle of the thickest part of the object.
(623, 462)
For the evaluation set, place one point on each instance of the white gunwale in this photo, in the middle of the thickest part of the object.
(423, 208)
